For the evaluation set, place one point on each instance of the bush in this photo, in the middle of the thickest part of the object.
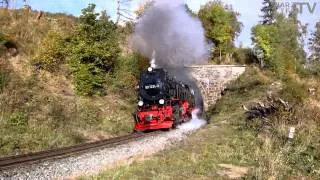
(89, 79)
(93, 51)
(244, 56)
(252, 78)
(18, 121)
(128, 69)
(315, 69)
(51, 52)
(294, 91)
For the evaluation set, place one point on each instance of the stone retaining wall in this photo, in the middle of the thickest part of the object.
(212, 80)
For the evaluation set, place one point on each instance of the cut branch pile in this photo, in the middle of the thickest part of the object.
(265, 108)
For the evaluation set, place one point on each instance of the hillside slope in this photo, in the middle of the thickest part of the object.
(40, 109)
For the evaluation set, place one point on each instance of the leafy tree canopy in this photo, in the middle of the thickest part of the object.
(221, 25)
(93, 50)
(281, 44)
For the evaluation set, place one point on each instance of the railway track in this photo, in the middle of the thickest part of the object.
(59, 153)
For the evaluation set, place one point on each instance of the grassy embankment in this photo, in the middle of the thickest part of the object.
(40, 110)
(232, 146)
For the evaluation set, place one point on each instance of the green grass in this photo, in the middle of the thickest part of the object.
(231, 139)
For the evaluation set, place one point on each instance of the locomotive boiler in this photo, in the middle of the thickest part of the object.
(163, 101)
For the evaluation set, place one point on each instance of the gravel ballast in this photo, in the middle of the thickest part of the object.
(93, 162)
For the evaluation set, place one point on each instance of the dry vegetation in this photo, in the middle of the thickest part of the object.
(39, 109)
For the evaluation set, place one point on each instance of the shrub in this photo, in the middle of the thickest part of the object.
(252, 78)
(51, 52)
(89, 79)
(244, 56)
(127, 73)
(93, 51)
(315, 69)
(294, 91)
(18, 121)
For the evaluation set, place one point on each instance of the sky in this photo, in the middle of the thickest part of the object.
(249, 10)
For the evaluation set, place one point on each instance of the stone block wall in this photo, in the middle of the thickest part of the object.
(213, 79)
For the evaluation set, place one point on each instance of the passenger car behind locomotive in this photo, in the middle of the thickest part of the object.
(164, 102)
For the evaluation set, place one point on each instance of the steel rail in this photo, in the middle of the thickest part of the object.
(64, 152)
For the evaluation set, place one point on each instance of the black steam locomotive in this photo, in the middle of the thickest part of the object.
(164, 102)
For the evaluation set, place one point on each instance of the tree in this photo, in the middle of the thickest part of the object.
(222, 27)
(123, 14)
(143, 7)
(93, 51)
(281, 44)
(315, 44)
(269, 11)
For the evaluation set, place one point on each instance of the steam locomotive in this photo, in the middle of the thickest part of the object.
(164, 102)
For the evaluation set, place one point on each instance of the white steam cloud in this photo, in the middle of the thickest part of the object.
(194, 123)
(168, 29)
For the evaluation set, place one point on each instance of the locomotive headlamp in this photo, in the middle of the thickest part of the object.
(150, 69)
(140, 103)
(161, 101)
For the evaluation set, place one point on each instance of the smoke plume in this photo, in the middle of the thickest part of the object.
(172, 39)
(176, 37)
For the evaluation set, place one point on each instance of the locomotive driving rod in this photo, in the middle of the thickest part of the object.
(64, 152)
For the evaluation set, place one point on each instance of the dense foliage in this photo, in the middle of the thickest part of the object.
(244, 56)
(222, 27)
(51, 53)
(93, 51)
(280, 43)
